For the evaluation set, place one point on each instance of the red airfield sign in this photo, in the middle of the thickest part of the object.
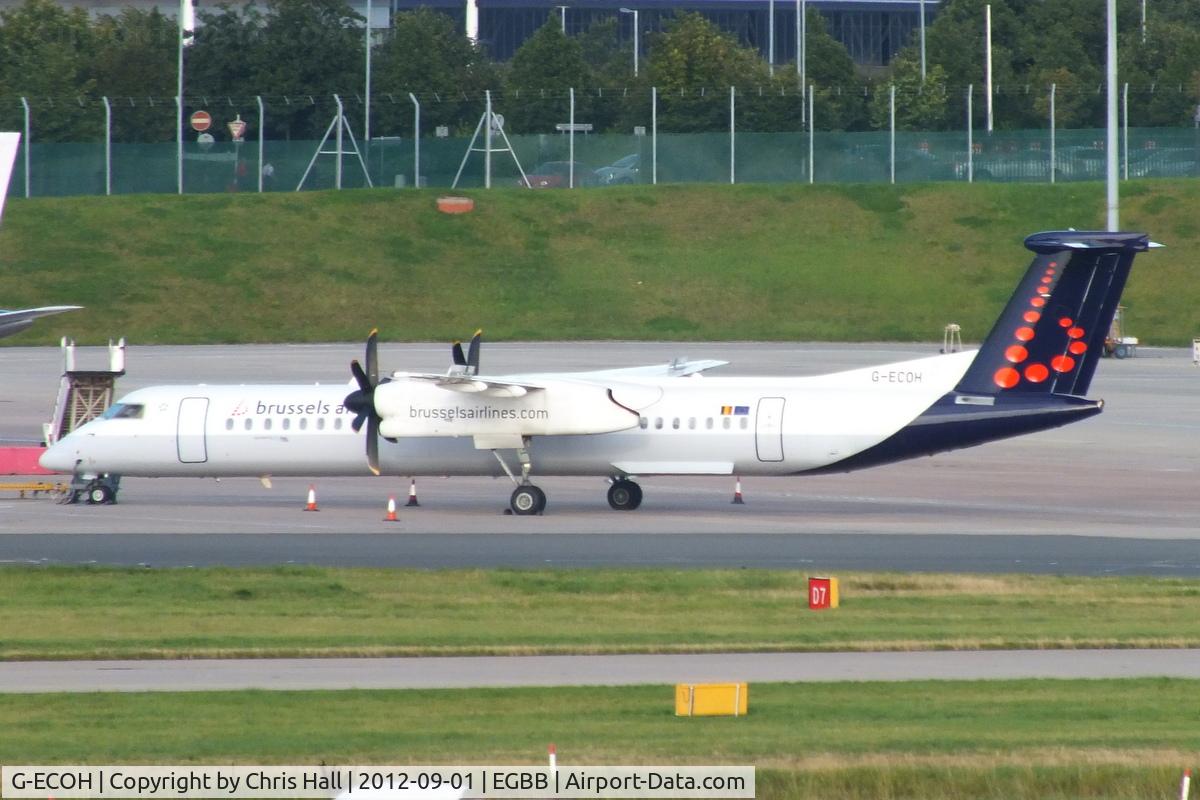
(201, 121)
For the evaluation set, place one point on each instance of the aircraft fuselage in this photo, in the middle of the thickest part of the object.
(690, 425)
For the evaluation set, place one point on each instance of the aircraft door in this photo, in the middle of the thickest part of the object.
(768, 428)
(193, 413)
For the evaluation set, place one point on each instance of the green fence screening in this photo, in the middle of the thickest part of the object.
(710, 137)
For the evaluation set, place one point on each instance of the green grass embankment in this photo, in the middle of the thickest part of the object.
(313, 611)
(776, 262)
(981, 740)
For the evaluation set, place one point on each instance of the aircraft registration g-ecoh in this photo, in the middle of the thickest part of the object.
(1032, 373)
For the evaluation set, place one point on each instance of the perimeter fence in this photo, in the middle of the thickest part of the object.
(730, 136)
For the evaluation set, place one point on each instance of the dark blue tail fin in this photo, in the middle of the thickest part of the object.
(1051, 335)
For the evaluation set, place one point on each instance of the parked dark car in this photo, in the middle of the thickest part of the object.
(624, 170)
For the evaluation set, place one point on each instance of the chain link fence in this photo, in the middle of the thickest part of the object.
(729, 136)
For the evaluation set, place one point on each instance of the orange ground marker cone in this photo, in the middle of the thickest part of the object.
(737, 493)
(391, 510)
(412, 495)
(311, 505)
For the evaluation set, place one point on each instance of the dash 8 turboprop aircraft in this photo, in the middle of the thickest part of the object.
(1031, 373)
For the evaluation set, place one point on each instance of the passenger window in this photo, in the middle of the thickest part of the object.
(337, 424)
(320, 423)
(708, 423)
(643, 423)
(691, 423)
(675, 423)
(658, 423)
(287, 423)
(267, 424)
(745, 423)
(725, 422)
(229, 424)
(304, 423)
(249, 424)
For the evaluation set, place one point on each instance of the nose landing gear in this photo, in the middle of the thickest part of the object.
(101, 490)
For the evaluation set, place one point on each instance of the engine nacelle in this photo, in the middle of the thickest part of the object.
(409, 407)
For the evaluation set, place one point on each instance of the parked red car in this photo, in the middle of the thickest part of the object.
(557, 174)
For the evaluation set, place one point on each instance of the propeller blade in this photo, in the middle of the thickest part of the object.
(473, 353)
(360, 376)
(373, 357)
(456, 353)
(362, 400)
(373, 443)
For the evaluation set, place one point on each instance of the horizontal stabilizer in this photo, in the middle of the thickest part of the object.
(678, 368)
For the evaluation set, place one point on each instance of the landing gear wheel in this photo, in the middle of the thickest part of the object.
(1121, 351)
(624, 495)
(527, 500)
(100, 494)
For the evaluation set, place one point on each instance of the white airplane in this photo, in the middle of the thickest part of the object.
(1031, 373)
(16, 321)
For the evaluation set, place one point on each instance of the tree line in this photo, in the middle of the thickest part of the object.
(296, 54)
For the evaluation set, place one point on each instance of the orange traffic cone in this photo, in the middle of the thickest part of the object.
(391, 512)
(412, 494)
(311, 505)
(737, 493)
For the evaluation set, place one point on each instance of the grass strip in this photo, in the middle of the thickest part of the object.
(96, 612)
(685, 262)
(953, 739)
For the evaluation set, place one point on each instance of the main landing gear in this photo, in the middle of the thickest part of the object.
(526, 499)
(624, 495)
(529, 500)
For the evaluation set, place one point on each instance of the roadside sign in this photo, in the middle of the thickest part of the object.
(201, 121)
(237, 128)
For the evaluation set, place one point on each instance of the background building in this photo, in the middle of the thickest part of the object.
(871, 30)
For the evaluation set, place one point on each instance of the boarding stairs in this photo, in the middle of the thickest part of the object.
(83, 395)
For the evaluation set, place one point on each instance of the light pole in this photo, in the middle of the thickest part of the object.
(922, 13)
(771, 36)
(187, 24)
(636, 31)
(367, 79)
(562, 12)
(1110, 140)
(987, 64)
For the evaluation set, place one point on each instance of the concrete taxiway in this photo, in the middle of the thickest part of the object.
(815, 553)
(615, 670)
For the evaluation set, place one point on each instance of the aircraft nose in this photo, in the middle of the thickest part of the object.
(59, 457)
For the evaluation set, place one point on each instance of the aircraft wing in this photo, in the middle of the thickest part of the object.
(16, 321)
(473, 384)
(678, 368)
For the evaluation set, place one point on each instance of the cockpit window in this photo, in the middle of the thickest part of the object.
(124, 411)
